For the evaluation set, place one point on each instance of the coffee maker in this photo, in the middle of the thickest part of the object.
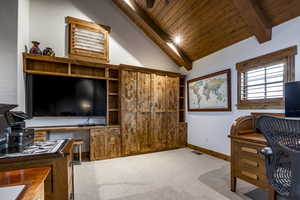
(14, 136)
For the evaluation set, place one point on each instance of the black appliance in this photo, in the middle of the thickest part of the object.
(13, 134)
(65, 96)
(292, 99)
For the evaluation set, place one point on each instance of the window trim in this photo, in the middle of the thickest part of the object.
(287, 54)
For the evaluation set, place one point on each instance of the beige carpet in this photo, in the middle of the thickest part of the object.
(170, 175)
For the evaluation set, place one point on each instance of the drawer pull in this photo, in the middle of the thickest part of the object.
(249, 150)
(251, 163)
(249, 175)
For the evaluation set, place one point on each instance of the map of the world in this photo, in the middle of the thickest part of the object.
(209, 93)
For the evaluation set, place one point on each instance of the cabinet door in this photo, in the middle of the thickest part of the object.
(105, 143)
(159, 117)
(130, 140)
(113, 143)
(172, 110)
(97, 144)
(182, 134)
(144, 111)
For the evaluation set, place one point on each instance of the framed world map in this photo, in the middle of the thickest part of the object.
(210, 93)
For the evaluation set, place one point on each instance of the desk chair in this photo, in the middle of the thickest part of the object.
(282, 157)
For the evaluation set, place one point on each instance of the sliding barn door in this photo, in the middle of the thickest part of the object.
(172, 108)
(130, 139)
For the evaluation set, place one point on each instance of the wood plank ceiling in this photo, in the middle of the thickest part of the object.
(206, 26)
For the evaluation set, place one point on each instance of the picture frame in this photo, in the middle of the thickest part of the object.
(210, 93)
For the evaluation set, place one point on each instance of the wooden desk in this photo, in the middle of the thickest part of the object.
(33, 179)
(246, 162)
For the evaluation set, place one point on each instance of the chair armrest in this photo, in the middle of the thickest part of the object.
(267, 152)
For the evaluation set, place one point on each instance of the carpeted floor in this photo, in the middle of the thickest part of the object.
(170, 175)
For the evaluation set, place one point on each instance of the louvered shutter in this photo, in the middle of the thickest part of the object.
(88, 40)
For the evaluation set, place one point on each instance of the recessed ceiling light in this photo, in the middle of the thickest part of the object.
(177, 39)
(173, 47)
(130, 4)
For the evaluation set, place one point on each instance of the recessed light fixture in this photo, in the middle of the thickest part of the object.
(177, 39)
(173, 47)
(130, 4)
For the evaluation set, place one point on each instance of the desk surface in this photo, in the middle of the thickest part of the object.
(31, 178)
(251, 137)
(70, 128)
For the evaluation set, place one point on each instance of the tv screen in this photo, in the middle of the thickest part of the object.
(292, 99)
(65, 96)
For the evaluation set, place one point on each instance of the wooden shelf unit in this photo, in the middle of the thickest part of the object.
(182, 99)
(56, 66)
(113, 92)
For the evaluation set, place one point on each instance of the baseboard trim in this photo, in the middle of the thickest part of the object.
(210, 152)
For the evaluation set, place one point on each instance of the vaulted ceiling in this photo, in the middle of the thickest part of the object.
(206, 26)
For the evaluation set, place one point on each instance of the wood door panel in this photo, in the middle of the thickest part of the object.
(159, 133)
(182, 134)
(105, 143)
(113, 143)
(172, 94)
(144, 131)
(143, 92)
(130, 140)
(159, 93)
(129, 91)
(171, 131)
(97, 144)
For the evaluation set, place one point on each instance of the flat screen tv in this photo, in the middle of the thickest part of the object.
(65, 96)
(292, 99)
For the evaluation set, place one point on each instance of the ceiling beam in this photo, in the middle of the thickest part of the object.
(152, 30)
(257, 22)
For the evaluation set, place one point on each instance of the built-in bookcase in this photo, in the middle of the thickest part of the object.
(113, 100)
(56, 66)
(182, 99)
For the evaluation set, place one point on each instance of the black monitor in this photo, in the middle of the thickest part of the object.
(65, 96)
(292, 99)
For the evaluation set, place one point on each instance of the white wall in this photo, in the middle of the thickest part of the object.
(8, 51)
(210, 129)
(128, 44)
(23, 39)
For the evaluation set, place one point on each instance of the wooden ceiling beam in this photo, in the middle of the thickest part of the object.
(257, 22)
(152, 30)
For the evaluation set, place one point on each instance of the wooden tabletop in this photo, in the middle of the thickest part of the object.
(31, 178)
(251, 137)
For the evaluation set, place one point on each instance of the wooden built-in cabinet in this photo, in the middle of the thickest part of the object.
(150, 111)
(105, 142)
(145, 107)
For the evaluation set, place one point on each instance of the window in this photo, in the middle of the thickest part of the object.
(261, 80)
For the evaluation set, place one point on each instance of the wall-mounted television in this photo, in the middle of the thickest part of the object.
(292, 99)
(65, 96)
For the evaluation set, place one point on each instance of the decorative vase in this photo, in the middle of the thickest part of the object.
(48, 52)
(35, 49)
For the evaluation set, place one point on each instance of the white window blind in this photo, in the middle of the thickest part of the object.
(264, 82)
(88, 40)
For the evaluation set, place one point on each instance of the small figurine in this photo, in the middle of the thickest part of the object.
(35, 49)
(48, 52)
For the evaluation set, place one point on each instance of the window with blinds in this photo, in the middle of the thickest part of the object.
(261, 80)
(263, 83)
(88, 41)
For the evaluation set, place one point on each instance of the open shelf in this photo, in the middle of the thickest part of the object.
(87, 71)
(113, 118)
(182, 99)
